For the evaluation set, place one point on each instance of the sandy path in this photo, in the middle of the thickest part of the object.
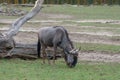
(28, 35)
(98, 56)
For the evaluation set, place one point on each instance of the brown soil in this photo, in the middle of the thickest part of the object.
(29, 36)
(99, 56)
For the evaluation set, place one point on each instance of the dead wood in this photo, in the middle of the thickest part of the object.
(21, 56)
(20, 21)
(29, 52)
(6, 38)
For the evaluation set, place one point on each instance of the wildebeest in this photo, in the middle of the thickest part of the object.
(57, 36)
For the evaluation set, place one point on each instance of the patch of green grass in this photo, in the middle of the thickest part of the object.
(1, 24)
(16, 69)
(100, 30)
(92, 27)
(86, 12)
(81, 12)
(8, 17)
(106, 25)
(99, 47)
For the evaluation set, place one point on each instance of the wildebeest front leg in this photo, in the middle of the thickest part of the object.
(54, 55)
(43, 54)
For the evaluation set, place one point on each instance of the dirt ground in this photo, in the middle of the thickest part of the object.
(28, 35)
(31, 37)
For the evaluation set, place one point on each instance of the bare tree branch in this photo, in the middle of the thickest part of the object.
(6, 38)
(20, 21)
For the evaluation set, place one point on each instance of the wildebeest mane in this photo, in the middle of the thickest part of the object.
(67, 35)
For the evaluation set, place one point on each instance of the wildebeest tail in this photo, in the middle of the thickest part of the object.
(38, 48)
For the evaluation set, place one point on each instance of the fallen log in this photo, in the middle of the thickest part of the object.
(6, 38)
(29, 52)
(29, 49)
(21, 56)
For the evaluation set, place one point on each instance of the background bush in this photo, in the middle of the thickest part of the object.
(73, 2)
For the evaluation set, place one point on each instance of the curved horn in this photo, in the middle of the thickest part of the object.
(72, 50)
(77, 50)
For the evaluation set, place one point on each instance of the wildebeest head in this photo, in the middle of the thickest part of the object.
(72, 57)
